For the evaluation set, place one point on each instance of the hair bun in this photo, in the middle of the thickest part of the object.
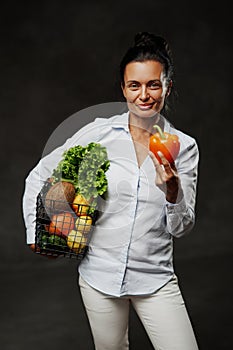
(149, 39)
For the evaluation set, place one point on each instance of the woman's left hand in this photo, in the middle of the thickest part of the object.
(167, 178)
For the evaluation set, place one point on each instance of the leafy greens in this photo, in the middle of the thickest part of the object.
(85, 168)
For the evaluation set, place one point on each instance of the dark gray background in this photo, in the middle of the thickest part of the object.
(59, 57)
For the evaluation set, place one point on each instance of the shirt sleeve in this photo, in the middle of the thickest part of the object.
(43, 170)
(180, 217)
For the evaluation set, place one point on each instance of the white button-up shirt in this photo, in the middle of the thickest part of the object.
(131, 250)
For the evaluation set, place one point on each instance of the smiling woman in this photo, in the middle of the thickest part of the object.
(129, 260)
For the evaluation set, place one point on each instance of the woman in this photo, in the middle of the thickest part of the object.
(129, 259)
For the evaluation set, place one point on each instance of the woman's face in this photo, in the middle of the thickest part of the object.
(144, 89)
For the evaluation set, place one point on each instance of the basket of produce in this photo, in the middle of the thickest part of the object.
(67, 205)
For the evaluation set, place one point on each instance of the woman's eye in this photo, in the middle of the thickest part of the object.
(155, 85)
(133, 86)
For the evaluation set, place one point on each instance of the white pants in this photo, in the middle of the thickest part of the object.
(163, 315)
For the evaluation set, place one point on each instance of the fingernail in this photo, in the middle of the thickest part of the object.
(150, 153)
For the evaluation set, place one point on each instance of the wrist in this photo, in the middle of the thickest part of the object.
(175, 196)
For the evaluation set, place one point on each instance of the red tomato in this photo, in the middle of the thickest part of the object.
(61, 224)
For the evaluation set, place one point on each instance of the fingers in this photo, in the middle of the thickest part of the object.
(154, 159)
(169, 168)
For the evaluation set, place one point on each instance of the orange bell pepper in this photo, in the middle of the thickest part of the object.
(167, 144)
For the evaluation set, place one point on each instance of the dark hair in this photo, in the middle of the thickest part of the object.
(149, 47)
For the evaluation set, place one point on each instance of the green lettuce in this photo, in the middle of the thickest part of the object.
(85, 168)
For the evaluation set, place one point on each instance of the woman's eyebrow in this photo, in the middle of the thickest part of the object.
(136, 81)
(132, 81)
(150, 81)
(154, 81)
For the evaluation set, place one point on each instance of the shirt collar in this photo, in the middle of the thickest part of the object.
(121, 121)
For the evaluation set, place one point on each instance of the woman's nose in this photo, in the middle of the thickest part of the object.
(144, 94)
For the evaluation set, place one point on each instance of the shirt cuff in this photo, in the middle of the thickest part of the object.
(173, 208)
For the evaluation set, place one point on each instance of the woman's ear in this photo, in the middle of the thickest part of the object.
(169, 88)
(123, 89)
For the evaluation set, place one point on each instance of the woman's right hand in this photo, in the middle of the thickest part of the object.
(32, 247)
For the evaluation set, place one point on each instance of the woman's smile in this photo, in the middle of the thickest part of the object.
(145, 106)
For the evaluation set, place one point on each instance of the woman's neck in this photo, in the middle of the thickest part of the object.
(142, 125)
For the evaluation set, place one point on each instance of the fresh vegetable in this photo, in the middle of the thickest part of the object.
(59, 195)
(85, 168)
(80, 205)
(167, 144)
(76, 183)
(52, 243)
(83, 223)
(61, 224)
(76, 241)
(43, 240)
(57, 240)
